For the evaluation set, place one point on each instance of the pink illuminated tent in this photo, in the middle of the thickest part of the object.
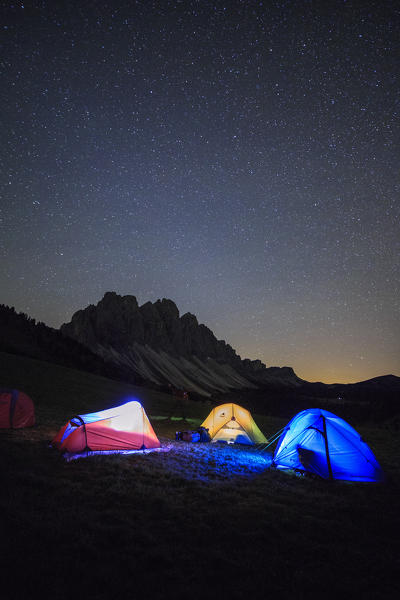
(119, 429)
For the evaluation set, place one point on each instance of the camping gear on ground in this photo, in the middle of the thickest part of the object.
(199, 435)
(233, 424)
(122, 428)
(16, 409)
(317, 441)
(190, 436)
(204, 434)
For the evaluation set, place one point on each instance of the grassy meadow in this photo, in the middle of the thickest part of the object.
(189, 521)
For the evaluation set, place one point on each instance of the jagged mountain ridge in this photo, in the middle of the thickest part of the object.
(163, 347)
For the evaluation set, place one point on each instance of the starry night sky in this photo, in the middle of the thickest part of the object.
(240, 158)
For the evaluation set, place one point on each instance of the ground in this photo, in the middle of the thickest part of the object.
(189, 521)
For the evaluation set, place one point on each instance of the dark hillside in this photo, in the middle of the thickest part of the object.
(63, 392)
(20, 334)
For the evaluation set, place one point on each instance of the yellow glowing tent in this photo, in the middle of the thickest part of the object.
(233, 424)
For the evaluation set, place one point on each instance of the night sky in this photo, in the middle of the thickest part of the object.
(240, 158)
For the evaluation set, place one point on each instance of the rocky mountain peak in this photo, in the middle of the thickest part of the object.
(117, 325)
(190, 320)
(167, 309)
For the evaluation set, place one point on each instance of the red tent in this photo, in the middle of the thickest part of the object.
(123, 428)
(16, 409)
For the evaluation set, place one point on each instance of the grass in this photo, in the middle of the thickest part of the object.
(194, 521)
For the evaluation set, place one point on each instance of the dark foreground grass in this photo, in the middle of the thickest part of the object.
(192, 521)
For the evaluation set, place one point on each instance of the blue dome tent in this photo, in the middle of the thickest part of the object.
(319, 442)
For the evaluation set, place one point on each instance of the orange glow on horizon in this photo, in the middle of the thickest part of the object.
(331, 367)
(330, 376)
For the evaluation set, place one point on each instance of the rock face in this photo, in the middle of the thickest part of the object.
(163, 347)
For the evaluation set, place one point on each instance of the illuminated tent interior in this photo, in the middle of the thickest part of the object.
(16, 409)
(118, 429)
(319, 442)
(233, 424)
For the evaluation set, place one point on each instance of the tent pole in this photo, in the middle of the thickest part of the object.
(143, 446)
(328, 459)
